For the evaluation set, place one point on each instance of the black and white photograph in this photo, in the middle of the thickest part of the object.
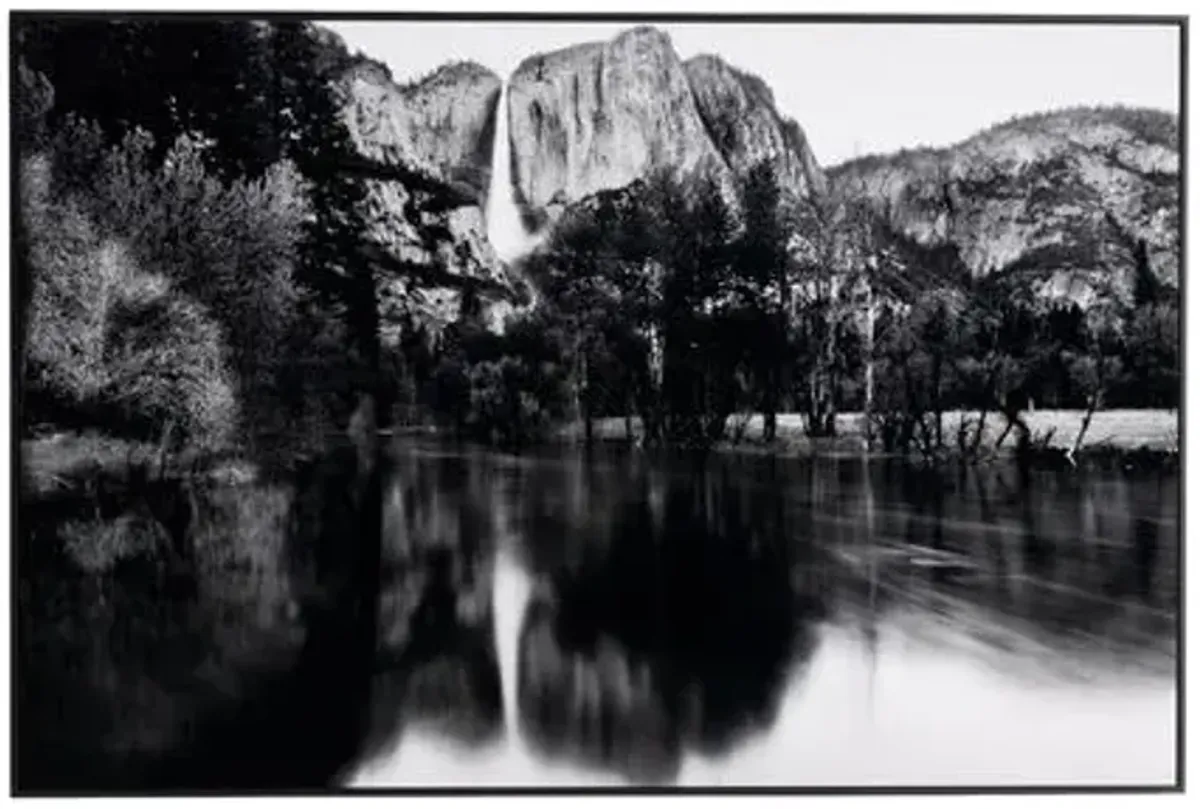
(485, 403)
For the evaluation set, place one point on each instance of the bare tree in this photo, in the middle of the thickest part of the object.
(841, 253)
(1097, 366)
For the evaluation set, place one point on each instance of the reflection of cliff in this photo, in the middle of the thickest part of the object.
(681, 638)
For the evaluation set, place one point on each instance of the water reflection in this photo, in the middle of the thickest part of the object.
(611, 619)
(706, 621)
(680, 637)
(436, 663)
(181, 634)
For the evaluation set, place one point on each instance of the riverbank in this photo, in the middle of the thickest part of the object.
(52, 462)
(1111, 431)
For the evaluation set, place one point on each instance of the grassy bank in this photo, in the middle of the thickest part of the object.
(61, 461)
(1119, 430)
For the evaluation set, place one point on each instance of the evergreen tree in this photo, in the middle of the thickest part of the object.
(761, 271)
(333, 261)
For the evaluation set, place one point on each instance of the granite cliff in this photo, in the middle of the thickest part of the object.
(442, 124)
(601, 115)
(739, 113)
(430, 138)
(1067, 198)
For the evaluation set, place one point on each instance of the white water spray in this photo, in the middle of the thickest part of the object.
(505, 228)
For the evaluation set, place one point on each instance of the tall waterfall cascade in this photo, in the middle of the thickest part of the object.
(505, 228)
(512, 586)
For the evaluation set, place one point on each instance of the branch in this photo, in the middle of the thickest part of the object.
(431, 274)
(445, 195)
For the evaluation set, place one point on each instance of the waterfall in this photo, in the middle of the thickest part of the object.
(505, 229)
(511, 590)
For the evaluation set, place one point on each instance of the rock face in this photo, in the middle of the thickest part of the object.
(441, 127)
(599, 116)
(739, 114)
(1066, 197)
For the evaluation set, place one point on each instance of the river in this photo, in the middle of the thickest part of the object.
(609, 619)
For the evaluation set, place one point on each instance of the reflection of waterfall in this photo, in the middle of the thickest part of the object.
(505, 229)
(510, 594)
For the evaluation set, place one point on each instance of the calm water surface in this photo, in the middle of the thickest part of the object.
(613, 620)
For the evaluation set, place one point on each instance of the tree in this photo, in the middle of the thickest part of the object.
(249, 95)
(698, 362)
(579, 272)
(33, 98)
(333, 262)
(212, 79)
(763, 285)
(641, 277)
(1151, 357)
(108, 342)
(831, 255)
(506, 389)
(1094, 360)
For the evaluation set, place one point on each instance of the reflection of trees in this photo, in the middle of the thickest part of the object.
(300, 726)
(102, 595)
(600, 704)
(681, 636)
(436, 660)
(995, 540)
(182, 672)
(1037, 552)
(383, 636)
(1045, 559)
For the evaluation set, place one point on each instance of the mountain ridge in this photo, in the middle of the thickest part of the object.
(1022, 119)
(1069, 195)
(1064, 194)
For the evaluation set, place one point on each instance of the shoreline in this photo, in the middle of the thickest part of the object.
(1111, 431)
(52, 462)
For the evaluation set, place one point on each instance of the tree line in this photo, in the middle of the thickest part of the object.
(692, 307)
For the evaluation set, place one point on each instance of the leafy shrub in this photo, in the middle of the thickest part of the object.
(111, 342)
(232, 246)
(509, 389)
(166, 363)
(68, 288)
(33, 98)
(204, 274)
(503, 410)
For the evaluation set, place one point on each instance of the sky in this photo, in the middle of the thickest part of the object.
(858, 88)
